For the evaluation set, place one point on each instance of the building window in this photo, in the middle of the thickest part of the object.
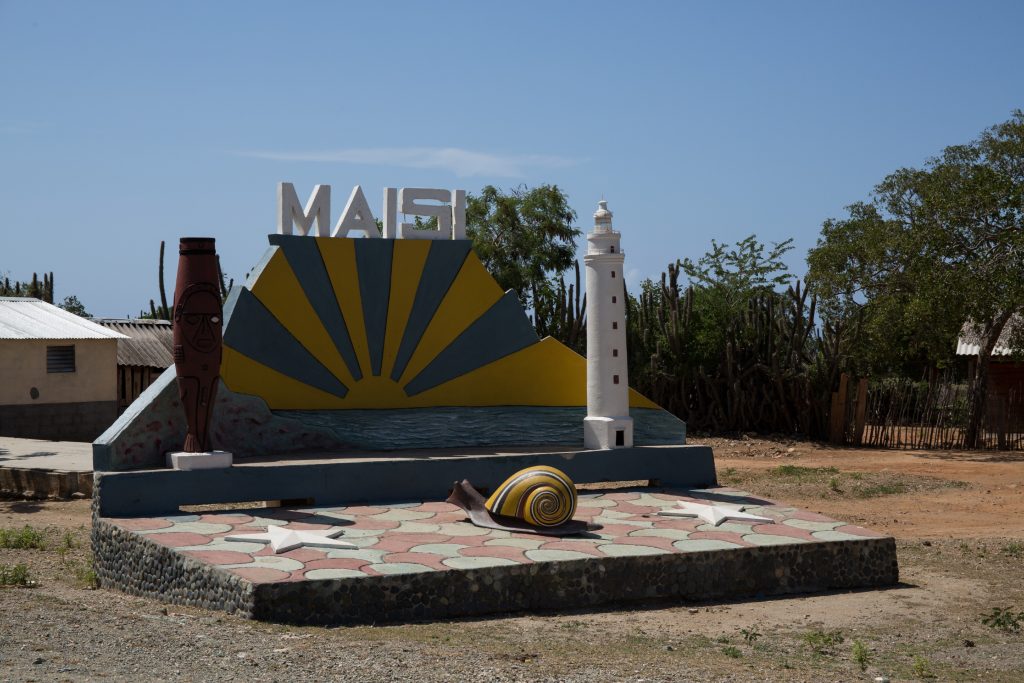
(615, 299)
(613, 273)
(615, 326)
(615, 379)
(615, 353)
(60, 358)
(613, 248)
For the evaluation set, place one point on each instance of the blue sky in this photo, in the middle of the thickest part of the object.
(122, 124)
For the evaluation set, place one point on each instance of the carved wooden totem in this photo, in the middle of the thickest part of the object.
(197, 336)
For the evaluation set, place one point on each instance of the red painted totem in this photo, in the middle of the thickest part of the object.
(197, 336)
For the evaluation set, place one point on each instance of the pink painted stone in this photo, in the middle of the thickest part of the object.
(305, 554)
(649, 541)
(620, 496)
(337, 563)
(219, 556)
(426, 559)
(369, 523)
(261, 574)
(140, 523)
(471, 541)
(225, 519)
(586, 548)
(361, 510)
(434, 506)
(616, 529)
(176, 539)
(504, 551)
(630, 508)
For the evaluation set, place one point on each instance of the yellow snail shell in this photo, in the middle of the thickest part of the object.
(542, 496)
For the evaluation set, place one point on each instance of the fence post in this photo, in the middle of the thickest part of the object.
(860, 418)
(837, 433)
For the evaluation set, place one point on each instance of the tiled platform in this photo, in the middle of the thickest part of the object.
(423, 560)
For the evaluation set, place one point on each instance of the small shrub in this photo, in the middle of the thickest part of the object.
(922, 669)
(823, 642)
(23, 538)
(15, 575)
(1004, 620)
(833, 485)
(1014, 549)
(861, 655)
(732, 651)
(68, 542)
(750, 635)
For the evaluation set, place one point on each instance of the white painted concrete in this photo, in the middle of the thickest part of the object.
(211, 460)
(608, 424)
(714, 514)
(282, 540)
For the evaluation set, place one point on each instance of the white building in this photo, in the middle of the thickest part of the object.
(608, 424)
(58, 372)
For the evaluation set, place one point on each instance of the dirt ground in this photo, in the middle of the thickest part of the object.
(958, 519)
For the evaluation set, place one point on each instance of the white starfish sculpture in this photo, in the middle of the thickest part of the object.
(282, 540)
(714, 514)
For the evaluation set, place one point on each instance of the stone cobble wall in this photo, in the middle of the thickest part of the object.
(130, 563)
(699, 576)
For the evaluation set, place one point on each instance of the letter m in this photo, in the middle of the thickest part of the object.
(290, 212)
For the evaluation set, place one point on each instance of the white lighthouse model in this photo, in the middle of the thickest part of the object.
(608, 424)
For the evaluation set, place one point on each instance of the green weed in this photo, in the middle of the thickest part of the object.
(798, 471)
(823, 642)
(833, 484)
(1014, 549)
(861, 655)
(15, 575)
(1004, 620)
(732, 651)
(26, 537)
(922, 668)
(750, 635)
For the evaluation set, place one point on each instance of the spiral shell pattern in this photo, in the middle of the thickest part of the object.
(542, 496)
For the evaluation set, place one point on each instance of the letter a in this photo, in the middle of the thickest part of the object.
(356, 216)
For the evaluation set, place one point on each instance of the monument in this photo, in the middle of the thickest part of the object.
(361, 377)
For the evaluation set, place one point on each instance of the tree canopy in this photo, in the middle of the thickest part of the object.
(933, 249)
(525, 237)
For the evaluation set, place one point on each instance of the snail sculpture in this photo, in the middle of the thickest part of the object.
(539, 500)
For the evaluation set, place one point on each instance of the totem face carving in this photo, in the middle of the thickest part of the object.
(198, 343)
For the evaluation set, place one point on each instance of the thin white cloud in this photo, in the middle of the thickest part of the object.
(461, 162)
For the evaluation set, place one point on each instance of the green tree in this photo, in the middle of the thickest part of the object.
(525, 238)
(71, 304)
(935, 248)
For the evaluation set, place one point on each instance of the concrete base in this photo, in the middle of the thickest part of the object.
(607, 432)
(422, 560)
(372, 478)
(211, 460)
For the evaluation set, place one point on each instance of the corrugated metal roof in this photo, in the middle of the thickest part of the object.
(149, 343)
(25, 318)
(968, 344)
